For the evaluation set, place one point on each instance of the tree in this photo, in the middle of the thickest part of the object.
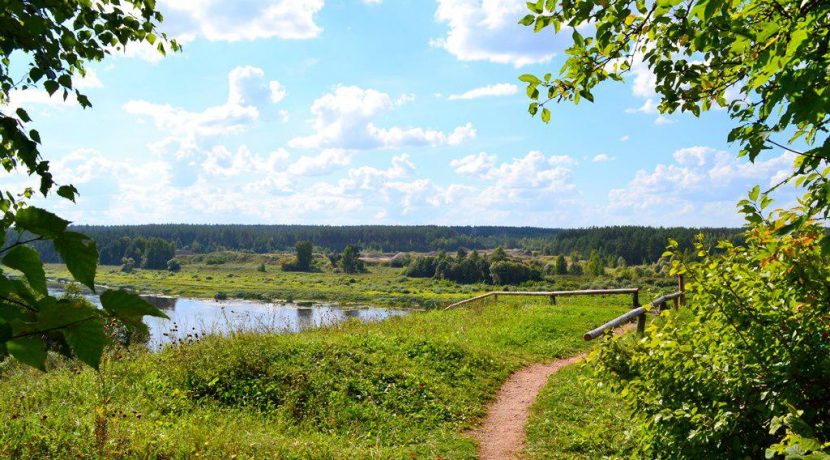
(304, 254)
(594, 266)
(53, 41)
(772, 53)
(350, 260)
(174, 265)
(738, 375)
(498, 255)
(561, 267)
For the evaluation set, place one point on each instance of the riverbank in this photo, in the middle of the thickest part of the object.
(381, 286)
(406, 386)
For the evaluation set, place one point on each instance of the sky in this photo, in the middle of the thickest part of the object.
(376, 112)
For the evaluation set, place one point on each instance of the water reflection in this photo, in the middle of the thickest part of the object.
(193, 318)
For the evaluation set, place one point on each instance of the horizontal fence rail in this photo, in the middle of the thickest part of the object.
(551, 294)
(639, 313)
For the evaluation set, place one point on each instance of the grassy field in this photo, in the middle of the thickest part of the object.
(404, 388)
(382, 285)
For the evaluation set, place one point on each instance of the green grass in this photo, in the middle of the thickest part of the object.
(238, 278)
(406, 386)
(573, 419)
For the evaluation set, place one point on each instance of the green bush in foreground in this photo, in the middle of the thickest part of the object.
(744, 371)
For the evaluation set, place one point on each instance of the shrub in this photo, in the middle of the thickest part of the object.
(400, 260)
(127, 265)
(507, 272)
(745, 367)
(174, 265)
(214, 260)
(422, 267)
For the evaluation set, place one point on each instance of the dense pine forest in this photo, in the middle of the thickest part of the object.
(634, 244)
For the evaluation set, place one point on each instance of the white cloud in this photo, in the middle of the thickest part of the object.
(625, 138)
(217, 20)
(648, 107)
(345, 119)
(487, 30)
(248, 93)
(500, 89)
(602, 158)
(698, 181)
(662, 120)
(474, 165)
(314, 165)
(88, 81)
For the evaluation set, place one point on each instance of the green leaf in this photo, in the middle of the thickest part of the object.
(27, 260)
(68, 191)
(80, 255)
(23, 115)
(128, 307)
(40, 222)
(530, 79)
(753, 194)
(87, 340)
(527, 20)
(545, 115)
(28, 350)
(51, 86)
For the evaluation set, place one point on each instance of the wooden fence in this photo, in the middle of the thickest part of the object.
(678, 298)
(633, 292)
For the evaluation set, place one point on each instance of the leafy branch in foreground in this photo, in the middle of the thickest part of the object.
(764, 60)
(54, 40)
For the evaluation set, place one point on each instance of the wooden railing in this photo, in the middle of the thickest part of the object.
(678, 298)
(634, 292)
(639, 313)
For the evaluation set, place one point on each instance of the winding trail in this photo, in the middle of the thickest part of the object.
(502, 435)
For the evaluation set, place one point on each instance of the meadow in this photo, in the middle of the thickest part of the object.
(239, 276)
(407, 387)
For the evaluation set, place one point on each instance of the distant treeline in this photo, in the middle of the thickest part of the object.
(634, 244)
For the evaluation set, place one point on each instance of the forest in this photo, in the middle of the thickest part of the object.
(635, 244)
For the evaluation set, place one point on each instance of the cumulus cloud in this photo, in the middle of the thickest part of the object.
(487, 30)
(217, 20)
(699, 179)
(500, 89)
(602, 158)
(345, 119)
(248, 93)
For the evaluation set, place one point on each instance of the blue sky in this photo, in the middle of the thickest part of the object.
(383, 111)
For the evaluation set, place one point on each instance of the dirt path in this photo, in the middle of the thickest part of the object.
(502, 434)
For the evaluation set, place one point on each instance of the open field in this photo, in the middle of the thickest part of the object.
(382, 285)
(407, 386)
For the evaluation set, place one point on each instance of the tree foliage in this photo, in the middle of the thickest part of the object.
(772, 53)
(745, 372)
(53, 41)
(350, 260)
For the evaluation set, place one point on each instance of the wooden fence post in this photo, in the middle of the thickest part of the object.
(641, 324)
(635, 299)
(553, 299)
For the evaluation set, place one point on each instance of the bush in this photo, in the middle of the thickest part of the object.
(174, 265)
(422, 267)
(745, 367)
(400, 260)
(127, 265)
(214, 260)
(507, 272)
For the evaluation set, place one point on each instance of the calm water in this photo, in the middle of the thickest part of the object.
(192, 318)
